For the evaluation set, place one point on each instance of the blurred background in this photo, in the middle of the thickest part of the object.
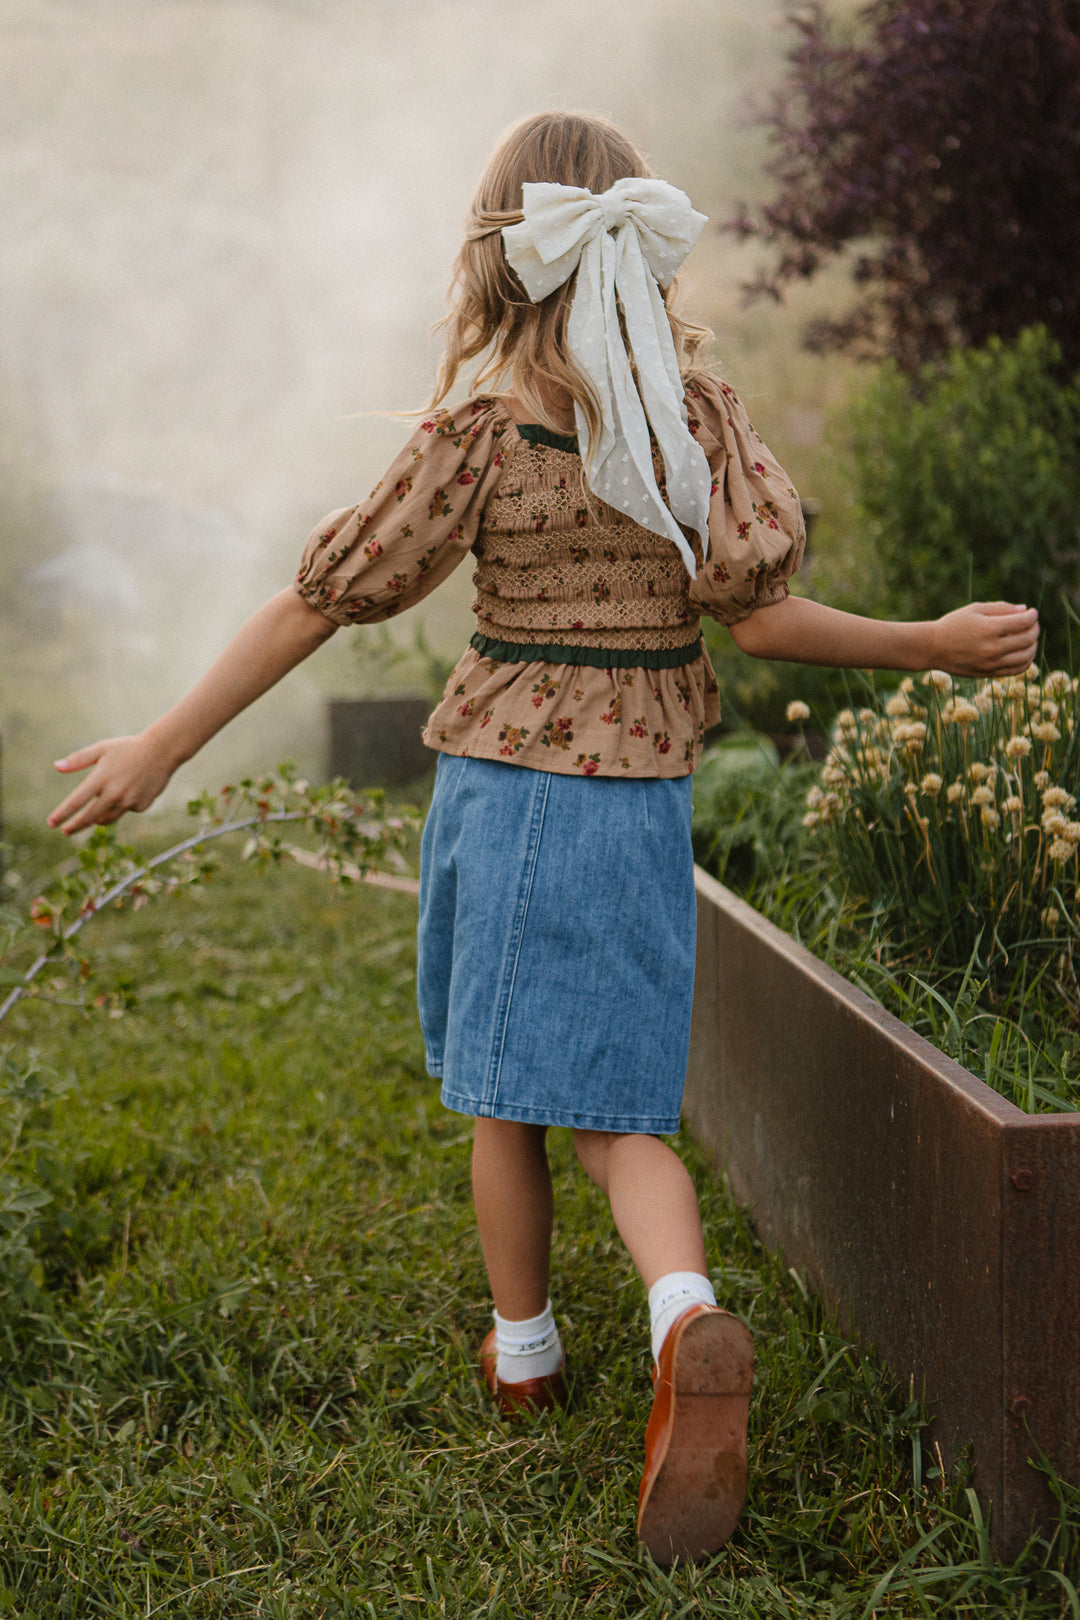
(229, 226)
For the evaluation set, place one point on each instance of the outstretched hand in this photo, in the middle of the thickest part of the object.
(985, 638)
(128, 774)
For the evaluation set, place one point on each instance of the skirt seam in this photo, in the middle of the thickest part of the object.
(502, 1017)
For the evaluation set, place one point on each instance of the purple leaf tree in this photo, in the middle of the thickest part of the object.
(936, 144)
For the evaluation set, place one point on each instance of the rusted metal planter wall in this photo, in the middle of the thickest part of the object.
(944, 1219)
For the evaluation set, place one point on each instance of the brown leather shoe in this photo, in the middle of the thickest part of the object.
(531, 1395)
(694, 1484)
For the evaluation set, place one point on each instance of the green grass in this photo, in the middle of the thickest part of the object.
(250, 1387)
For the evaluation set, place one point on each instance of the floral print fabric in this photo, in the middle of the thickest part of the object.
(555, 566)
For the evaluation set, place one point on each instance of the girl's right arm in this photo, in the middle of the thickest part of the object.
(129, 772)
(980, 638)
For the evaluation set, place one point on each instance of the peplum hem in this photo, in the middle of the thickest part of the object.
(577, 719)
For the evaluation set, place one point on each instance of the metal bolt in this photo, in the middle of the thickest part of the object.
(1023, 1180)
(1019, 1405)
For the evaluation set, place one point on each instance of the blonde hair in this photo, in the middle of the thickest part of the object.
(491, 314)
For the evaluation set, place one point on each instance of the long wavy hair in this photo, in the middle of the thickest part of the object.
(491, 316)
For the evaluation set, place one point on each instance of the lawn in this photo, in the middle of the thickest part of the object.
(249, 1386)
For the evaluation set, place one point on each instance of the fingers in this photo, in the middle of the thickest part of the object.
(82, 808)
(104, 795)
(82, 757)
(998, 608)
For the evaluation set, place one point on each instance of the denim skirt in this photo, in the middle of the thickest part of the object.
(556, 950)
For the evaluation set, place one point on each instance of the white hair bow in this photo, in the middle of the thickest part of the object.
(622, 243)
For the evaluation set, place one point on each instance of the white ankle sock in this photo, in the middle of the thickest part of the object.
(672, 1294)
(529, 1349)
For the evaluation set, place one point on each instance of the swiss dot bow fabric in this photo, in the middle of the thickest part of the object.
(625, 244)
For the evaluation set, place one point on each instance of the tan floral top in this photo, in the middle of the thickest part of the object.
(587, 658)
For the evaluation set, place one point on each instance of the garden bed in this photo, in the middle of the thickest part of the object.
(937, 1215)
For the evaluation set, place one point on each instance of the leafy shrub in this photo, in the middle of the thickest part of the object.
(951, 811)
(746, 808)
(967, 481)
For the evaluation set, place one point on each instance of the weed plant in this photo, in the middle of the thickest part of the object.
(249, 1385)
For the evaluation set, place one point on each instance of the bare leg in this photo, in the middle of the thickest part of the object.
(514, 1211)
(652, 1198)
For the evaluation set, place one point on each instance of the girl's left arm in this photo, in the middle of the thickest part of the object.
(982, 638)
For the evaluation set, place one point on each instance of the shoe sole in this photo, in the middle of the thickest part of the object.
(694, 1492)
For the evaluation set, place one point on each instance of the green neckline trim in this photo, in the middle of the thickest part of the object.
(517, 652)
(535, 433)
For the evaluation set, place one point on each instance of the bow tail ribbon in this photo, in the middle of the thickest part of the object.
(621, 469)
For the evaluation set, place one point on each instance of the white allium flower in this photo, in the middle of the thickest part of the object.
(833, 776)
(978, 771)
(1046, 731)
(907, 685)
(1057, 683)
(984, 700)
(990, 818)
(1013, 805)
(797, 710)
(960, 712)
(1018, 748)
(983, 795)
(811, 818)
(814, 798)
(1042, 780)
(910, 790)
(1056, 798)
(931, 783)
(1061, 851)
(1053, 822)
(1051, 917)
(954, 791)
(907, 731)
(938, 679)
(1071, 832)
(1049, 708)
(845, 722)
(923, 823)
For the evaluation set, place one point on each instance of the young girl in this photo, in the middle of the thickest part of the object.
(609, 490)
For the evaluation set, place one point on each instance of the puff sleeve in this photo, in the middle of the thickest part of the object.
(756, 530)
(371, 561)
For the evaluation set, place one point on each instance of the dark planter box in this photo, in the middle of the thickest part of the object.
(375, 742)
(925, 1207)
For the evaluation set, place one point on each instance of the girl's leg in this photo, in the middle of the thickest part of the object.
(514, 1211)
(694, 1483)
(652, 1198)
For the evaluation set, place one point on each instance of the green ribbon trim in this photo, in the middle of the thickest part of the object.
(515, 652)
(534, 433)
